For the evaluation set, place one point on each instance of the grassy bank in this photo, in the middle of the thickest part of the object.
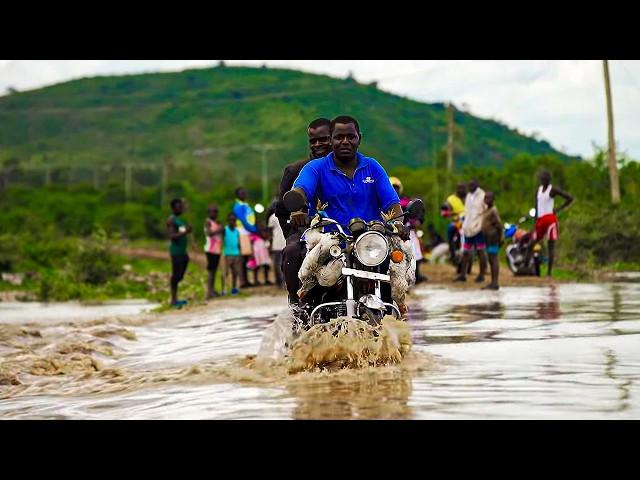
(139, 278)
(148, 278)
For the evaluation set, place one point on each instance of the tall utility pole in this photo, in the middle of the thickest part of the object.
(265, 147)
(613, 164)
(450, 138)
(451, 131)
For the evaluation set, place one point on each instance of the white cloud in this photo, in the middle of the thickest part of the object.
(563, 100)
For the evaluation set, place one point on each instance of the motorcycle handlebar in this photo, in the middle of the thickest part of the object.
(329, 221)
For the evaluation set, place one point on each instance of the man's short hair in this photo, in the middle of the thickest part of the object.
(320, 122)
(238, 189)
(175, 201)
(345, 120)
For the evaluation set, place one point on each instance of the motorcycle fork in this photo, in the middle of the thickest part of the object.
(351, 303)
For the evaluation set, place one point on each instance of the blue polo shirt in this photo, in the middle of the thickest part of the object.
(369, 193)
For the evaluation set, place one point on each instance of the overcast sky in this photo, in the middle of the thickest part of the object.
(562, 100)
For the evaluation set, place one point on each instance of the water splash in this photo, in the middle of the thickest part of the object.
(347, 342)
(276, 339)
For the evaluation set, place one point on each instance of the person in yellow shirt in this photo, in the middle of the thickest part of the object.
(455, 202)
(454, 208)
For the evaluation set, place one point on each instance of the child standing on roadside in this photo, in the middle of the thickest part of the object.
(493, 233)
(231, 251)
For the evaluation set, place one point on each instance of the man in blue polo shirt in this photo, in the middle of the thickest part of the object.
(353, 185)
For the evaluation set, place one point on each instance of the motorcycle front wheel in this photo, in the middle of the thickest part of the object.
(508, 256)
(372, 317)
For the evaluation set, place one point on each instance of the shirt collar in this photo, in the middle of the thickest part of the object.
(362, 162)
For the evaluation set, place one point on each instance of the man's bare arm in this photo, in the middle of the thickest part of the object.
(395, 211)
(568, 199)
(497, 222)
(172, 231)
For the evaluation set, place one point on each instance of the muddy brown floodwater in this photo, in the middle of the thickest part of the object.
(548, 351)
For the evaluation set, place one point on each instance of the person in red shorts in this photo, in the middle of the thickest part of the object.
(546, 220)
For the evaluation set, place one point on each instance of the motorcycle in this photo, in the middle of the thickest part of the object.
(454, 234)
(517, 252)
(349, 273)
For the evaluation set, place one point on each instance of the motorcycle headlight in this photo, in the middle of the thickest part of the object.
(371, 249)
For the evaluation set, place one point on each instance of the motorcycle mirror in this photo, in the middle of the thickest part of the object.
(357, 226)
(415, 209)
(532, 212)
(293, 201)
(376, 226)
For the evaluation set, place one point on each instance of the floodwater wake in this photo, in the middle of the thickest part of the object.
(90, 358)
(347, 342)
(344, 342)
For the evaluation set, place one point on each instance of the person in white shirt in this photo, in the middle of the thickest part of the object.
(546, 219)
(278, 243)
(474, 207)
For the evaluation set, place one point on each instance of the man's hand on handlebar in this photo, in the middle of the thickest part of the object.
(403, 231)
(300, 219)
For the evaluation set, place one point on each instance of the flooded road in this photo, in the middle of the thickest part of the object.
(559, 351)
(49, 313)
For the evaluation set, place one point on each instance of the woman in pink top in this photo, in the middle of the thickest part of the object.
(261, 257)
(212, 247)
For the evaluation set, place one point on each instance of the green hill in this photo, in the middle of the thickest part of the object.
(149, 117)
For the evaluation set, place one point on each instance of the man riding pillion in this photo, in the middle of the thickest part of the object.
(319, 136)
(350, 184)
